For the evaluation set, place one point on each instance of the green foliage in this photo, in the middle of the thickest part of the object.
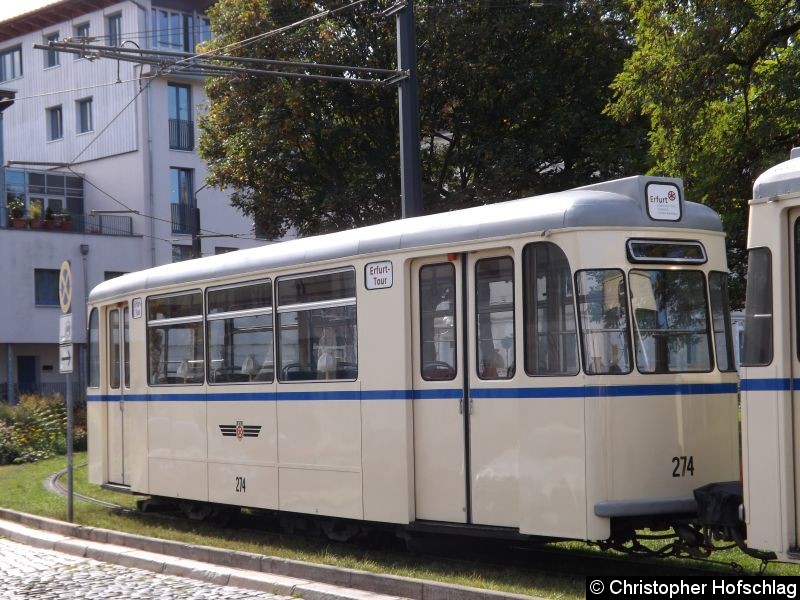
(16, 208)
(718, 83)
(511, 101)
(36, 429)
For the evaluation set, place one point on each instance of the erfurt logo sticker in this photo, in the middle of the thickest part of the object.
(663, 202)
(240, 430)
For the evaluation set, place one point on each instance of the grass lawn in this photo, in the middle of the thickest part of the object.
(21, 489)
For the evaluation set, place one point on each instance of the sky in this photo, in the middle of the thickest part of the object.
(12, 8)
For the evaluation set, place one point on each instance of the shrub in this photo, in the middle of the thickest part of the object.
(36, 429)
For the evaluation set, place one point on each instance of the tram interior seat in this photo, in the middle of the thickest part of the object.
(437, 370)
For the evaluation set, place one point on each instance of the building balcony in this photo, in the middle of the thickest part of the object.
(181, 134)
(94, 224)
(184, 219)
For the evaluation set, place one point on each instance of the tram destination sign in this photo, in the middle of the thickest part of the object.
(663, 201)
(378, 275)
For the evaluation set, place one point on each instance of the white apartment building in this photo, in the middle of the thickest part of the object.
(84, 138)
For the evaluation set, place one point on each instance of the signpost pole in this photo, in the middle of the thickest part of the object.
(65, 360)
(69, 448)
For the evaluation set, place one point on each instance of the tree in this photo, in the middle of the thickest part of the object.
(511, 100)
(718, 82)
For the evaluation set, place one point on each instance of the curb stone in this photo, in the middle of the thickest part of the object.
(243, 569)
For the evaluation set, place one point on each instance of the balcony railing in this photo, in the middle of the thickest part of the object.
(184, 219)
(95, 224)
(181, 134)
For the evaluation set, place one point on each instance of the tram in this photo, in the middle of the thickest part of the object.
(771, 364)
(558, 366)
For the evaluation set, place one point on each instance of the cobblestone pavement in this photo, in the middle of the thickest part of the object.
(27, 572)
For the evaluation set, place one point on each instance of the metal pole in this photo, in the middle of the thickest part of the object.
(410, 170)
(69, 448)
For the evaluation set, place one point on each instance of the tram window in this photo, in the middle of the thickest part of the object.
(437, 309)
(758, 309)
(551, 344)
(94, 349)
(239, 333)
(175, 339)
(603, 311)
(494, 291)
(670, 319)
(318, 333)
(126, 341)
(666, 251)
(721, 320)
(114, 354)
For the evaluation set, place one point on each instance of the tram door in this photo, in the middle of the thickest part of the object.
(119, 383)
(439, 403)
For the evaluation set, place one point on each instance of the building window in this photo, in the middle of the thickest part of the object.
(114, 29)
(113, 274)
(55, 123)
(181, 252)
(223, 249)
(46, 287)
(80, 32)
(83, 114)
(182, 200)
(181, 128)
(11, 63)
(51, 56)
(173, 30)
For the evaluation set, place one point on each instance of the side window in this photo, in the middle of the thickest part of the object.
(721, 320)
(551, 345)
(670, 321)
(94, 349)
(114, 352)
(318, 333)
(758, 309)
(175, 339)
(437, 321)
(239, 331)
(603, 311)
(494, 312)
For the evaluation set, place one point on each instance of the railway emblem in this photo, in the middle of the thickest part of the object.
(240, 430)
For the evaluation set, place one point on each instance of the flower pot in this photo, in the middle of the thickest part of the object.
(18, 223)
(66, 225)
(36, 224)
(50, 224)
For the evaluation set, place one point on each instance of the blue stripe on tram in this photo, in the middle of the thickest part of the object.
(589, 391)
(768, 385)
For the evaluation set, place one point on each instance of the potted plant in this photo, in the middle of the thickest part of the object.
(35, 212)
(66, 220)
(49, 219)
(16, 212)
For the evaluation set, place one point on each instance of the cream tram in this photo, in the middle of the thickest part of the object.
(771, 364)
(557, 366)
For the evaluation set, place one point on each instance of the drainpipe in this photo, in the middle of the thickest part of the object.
(6, 100)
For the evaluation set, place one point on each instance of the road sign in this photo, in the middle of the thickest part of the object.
(65, 329)
(65, 353)
(65, 287)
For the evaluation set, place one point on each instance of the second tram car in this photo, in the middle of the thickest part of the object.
(771, 364)
(558, 366)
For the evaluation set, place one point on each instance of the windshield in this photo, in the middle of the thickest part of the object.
(670, 321)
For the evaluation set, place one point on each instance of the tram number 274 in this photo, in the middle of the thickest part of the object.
(683, 465)
(241, 485)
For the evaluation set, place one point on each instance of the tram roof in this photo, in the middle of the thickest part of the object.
(618, 203)
(783, 178)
